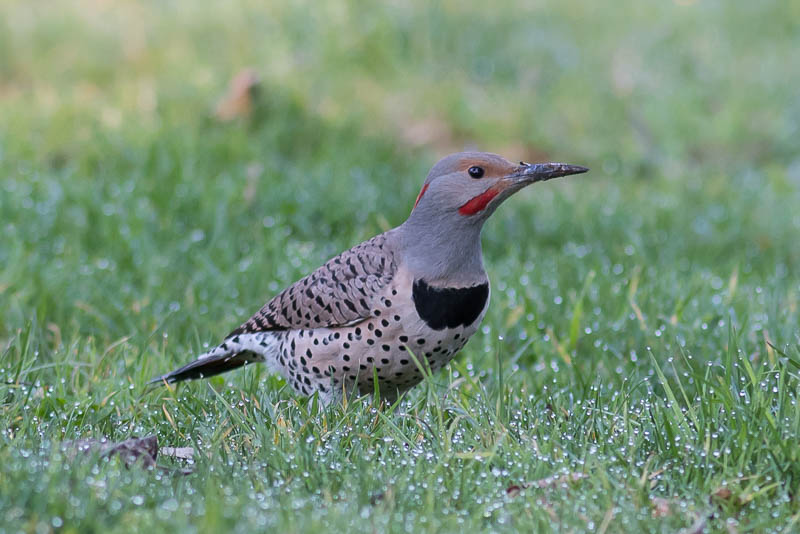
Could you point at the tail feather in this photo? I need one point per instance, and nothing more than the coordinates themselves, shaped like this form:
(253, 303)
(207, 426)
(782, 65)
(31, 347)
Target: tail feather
(233, 353)
(206, 367)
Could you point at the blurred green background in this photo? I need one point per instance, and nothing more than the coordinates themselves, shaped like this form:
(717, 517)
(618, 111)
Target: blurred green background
(117, 178)
(148, 204)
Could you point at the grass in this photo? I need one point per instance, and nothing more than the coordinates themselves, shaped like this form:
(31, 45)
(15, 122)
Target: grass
(639, 367)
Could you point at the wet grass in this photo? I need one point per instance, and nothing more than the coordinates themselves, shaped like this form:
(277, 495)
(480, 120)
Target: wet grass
(639, 368)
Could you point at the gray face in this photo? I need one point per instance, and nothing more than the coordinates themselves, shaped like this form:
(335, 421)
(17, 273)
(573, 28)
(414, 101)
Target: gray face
(467, 187)
(440, 241)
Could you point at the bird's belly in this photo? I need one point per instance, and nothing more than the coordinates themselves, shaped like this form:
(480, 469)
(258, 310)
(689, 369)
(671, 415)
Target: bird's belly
(385, 346)
(399, 341)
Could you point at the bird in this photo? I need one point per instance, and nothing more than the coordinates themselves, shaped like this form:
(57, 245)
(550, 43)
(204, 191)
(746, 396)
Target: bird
(389, 310)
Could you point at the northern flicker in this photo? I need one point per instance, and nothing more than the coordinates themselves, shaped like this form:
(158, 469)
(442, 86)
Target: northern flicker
(419, 289)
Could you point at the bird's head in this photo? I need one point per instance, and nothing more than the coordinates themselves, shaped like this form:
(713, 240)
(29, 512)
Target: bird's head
(468, 186)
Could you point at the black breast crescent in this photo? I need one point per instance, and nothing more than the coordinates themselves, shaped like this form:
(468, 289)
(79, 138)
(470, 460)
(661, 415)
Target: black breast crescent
(449, 307)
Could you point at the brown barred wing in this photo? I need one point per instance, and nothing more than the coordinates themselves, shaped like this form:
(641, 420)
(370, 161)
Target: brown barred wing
(339, 293)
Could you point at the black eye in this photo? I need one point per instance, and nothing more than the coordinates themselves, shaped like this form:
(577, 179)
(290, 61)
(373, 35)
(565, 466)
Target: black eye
(475, 171)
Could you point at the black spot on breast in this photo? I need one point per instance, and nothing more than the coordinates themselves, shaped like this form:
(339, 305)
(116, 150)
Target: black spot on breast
(449, 307)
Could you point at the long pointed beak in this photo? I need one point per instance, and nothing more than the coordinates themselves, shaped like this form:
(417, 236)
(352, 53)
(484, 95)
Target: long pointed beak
(529, 173)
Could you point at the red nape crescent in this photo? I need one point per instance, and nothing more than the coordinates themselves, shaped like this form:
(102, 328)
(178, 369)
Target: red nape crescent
(478, 203)
(421, 192)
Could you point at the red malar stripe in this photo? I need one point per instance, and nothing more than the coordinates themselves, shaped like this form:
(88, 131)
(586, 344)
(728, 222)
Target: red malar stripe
(422, 192)
(478, 203)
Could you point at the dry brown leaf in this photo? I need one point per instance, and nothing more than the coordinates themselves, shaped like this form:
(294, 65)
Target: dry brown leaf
(130, 450)
(513, 490)
(238, 101)
(722, 493)
(183, 453)
(544, 483)
(661, 507)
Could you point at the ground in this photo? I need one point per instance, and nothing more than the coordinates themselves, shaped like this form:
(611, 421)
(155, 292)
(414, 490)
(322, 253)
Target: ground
(638, 367)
